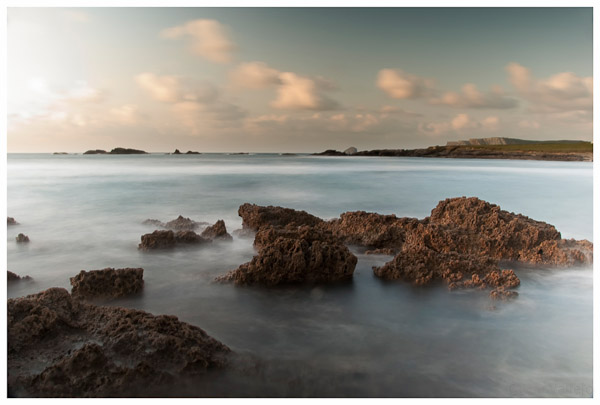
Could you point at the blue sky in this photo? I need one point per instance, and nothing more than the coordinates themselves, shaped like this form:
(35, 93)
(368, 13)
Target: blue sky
(294, 79)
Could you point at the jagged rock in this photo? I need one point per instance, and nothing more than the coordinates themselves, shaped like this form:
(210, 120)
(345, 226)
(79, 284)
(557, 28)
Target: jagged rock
(107, 283)
(22, 238)
(169, 239)
(421, 265)
(11, 277)
(255, 216)
(62, 347)
(157, 240)
(11, 221)
(182, 224)
(288, 256)
(217, 231)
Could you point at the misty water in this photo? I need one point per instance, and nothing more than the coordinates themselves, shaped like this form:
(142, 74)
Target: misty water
(366, 337)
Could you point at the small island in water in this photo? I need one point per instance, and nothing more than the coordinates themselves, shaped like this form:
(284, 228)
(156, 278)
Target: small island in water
(488, 148)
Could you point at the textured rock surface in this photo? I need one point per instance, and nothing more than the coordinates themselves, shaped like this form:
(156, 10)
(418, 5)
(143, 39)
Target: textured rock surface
(11, 277)
(11, 221)
(62, 347)
(170, 239)
(22, 238)
(288, 256)
(107, 283)
(255, 216)
(182, 224)
(217, 231)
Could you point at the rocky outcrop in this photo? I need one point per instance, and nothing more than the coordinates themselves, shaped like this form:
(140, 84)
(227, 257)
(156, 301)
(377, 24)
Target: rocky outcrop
(22, 238)
(62, 347)
(169, 239)
(294, 256)
(217, 231)
(11, 221)
(107, 283)
(12, 277)
(256, 216)
(95, 152)
(178, 224)
(116, 151)
(176, 152)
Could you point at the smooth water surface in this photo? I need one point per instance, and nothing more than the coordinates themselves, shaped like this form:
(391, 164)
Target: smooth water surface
(362, 338)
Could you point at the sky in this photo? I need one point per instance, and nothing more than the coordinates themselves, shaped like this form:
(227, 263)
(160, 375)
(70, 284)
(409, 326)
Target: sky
(294, 79)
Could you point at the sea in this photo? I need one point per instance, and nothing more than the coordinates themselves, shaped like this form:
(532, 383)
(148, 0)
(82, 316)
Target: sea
(363, 338)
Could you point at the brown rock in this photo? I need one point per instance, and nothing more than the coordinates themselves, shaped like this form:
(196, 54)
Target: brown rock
(62, 347)
(182, 224)
(190, 237)
(382, 251)
(22, 238)
(11, 277)
(154, 222)
(255, 217)
(287, 256)
(217, 231)
(501, 294)
(107, 283)
(157, 240)
(11, 221)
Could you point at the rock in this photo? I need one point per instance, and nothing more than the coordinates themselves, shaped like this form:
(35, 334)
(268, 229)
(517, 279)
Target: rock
(350, 151)
(154, 222)
(60, 153)
(127, 151)
(382, 251)
(192, 152)
(177, 152)
(11, 221)
(168, 239)
(294, 257)
(11, 277)
(421, 265)
(256, 216)
(107, 283)
(217, 231)
(330, 152)
(182, 224)
(22, 238)
(501, 294)
(95, 152)
(62, 347)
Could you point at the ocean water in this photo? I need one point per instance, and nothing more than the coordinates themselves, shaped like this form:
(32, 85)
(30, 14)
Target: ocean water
(364, 338)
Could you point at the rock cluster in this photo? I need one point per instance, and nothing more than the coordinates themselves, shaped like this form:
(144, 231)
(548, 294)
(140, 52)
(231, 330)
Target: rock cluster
(178, 224)
(169, 239)
(11, 277)
(11, 221)
(62, 347)
(107, 283)
(217, 231)
(22, 238)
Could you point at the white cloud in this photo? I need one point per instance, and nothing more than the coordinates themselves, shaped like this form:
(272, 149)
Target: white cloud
(127, 114)
(254, 75)
(461, 123)
(301, 93)
(558, 93)
(402, 85)
(208, 38)
(171, 89)
(471, 97)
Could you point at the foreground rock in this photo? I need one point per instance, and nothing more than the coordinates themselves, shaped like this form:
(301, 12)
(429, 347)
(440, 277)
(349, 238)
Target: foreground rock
(11, 221)
(255, 216)
(294, 256)
(12, 277)
(217, 231)
(169, 239)
(107, 283)
(22, 238)
(62, 347)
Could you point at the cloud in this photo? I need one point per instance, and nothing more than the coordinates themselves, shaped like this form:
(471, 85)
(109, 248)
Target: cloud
(558, 93)
(171, 89)
(402, 85)
(471, 97)
(254, 75)
(294, 92)
(127, 114)
(461, 123)
(208, 38)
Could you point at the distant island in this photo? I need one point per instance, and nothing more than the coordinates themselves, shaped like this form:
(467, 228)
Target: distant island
(488, 148)
(116, 151)
(189, 152)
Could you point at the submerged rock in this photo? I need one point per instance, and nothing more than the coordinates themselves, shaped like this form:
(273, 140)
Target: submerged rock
(217, 231)
(256, 216)
(11, 277)
(154, 222)
(62, 347)
(11, 221)
(22, 238)
(182, 224)
(107, 283)
(288, 256)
